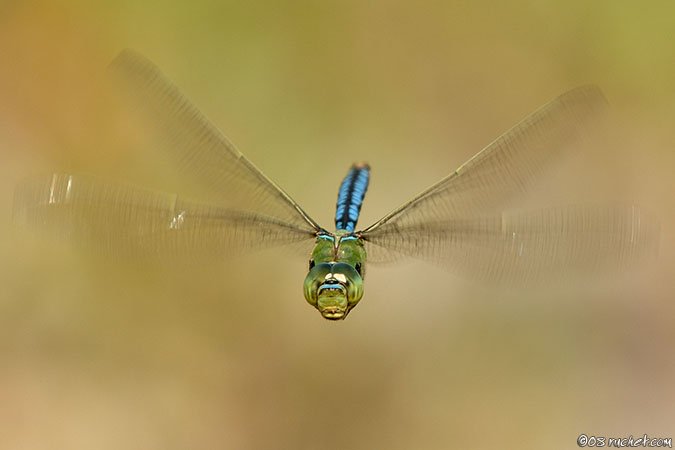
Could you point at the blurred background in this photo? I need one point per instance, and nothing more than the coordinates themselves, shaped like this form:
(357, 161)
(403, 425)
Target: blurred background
(101, 355)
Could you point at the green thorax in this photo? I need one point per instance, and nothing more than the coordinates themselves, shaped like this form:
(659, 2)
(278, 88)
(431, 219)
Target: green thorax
(341, 247)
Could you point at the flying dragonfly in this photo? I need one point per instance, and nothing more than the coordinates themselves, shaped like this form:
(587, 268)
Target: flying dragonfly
(459, 222)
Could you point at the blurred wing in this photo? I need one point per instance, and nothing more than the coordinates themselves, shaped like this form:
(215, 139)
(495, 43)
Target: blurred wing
(120, 220)
(200, 150)
(505, 168)
(525, 247)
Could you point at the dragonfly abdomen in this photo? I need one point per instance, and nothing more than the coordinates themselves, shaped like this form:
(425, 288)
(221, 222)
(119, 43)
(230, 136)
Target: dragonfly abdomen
(350, 196)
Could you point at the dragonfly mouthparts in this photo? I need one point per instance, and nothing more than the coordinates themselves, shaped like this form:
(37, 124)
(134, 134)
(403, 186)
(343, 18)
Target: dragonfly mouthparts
(332, 300)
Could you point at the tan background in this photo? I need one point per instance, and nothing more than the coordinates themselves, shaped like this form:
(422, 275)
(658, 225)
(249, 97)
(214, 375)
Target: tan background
(95, 356)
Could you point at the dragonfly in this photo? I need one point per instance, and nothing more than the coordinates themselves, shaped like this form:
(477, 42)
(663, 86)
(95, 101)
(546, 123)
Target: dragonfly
(461, 222)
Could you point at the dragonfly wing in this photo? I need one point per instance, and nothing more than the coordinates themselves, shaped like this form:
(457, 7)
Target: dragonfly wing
(505, 168)
(122, 220)
(199, 149)
(517, 248)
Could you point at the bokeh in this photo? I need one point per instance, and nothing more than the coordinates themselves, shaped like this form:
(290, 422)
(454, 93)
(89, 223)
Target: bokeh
(100, 355)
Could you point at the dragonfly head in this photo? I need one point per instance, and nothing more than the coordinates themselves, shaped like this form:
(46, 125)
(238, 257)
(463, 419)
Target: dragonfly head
(333, 288)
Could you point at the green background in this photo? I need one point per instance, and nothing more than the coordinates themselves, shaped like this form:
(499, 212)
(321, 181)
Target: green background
(94, 355)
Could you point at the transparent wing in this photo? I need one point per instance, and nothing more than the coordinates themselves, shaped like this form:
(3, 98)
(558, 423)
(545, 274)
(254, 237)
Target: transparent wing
(518, 248)
(120, 220)
(201, 151)
(505, 168)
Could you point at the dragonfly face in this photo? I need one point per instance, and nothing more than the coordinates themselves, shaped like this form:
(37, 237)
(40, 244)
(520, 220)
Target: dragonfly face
(334, 284)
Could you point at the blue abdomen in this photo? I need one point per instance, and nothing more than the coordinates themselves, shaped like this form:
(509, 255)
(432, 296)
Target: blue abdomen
(350, 197)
